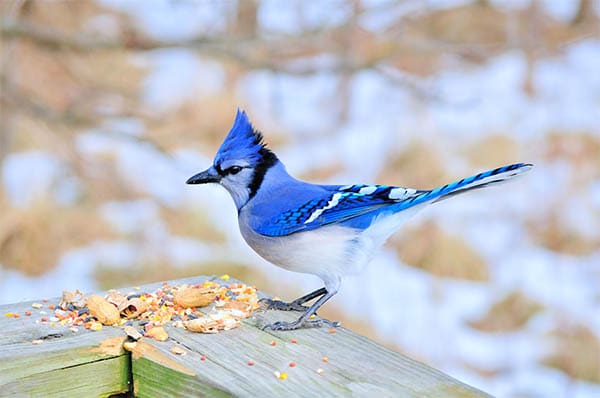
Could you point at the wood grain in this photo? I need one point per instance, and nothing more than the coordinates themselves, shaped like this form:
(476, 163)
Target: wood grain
(214, 365)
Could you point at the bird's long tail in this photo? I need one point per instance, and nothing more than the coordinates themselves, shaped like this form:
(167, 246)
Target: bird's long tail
(481, 180)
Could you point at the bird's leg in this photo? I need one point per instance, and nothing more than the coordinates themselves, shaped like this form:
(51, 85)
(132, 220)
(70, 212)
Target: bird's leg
(304, 319)
(295, 305)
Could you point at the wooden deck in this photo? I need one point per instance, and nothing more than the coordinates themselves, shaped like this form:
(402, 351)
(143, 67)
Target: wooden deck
(87, 363)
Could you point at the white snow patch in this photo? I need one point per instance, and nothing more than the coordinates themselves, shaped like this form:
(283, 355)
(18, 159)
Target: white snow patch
(32, 175)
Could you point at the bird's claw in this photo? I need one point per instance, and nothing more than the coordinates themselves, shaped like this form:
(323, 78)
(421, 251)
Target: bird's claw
(282, 305)
(308, 323)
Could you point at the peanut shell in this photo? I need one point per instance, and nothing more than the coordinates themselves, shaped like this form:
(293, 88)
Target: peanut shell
(202, 325)
(194, 297)
(102, 310)
(133, 307)
(157, 333)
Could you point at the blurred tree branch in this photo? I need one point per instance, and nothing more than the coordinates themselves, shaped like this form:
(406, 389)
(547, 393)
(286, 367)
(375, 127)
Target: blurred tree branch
(248, 51)
(56, 40)
(585, 12)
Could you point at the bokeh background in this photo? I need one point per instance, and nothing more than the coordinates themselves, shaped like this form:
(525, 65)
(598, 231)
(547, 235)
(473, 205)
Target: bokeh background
(108, 106)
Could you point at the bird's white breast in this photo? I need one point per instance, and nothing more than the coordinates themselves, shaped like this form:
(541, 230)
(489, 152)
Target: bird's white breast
(329, 252)
(323, 252)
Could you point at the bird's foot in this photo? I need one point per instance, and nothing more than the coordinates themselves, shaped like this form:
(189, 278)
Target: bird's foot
(308, 323)
(282, 305)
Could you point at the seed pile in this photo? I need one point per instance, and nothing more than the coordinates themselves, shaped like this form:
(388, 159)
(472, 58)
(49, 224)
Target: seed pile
(208, 307)
(205, 308)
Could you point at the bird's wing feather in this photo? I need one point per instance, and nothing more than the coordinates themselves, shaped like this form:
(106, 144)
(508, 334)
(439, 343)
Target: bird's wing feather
(347, 202)
(334, 207)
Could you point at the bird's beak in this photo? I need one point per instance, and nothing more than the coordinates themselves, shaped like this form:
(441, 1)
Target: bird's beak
(205, 177)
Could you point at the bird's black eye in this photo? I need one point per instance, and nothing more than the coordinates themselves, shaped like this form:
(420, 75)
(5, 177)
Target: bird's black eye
(233, 170)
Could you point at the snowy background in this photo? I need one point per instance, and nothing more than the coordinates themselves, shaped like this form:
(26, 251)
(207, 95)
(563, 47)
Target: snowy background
(499, 288)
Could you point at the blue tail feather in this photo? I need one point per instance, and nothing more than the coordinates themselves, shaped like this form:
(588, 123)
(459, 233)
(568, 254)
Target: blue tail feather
(480, 180)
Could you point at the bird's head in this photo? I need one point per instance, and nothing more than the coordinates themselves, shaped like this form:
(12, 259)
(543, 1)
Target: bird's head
(240, 163)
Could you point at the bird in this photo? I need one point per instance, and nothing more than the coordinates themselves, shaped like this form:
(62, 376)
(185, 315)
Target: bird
(326, 230)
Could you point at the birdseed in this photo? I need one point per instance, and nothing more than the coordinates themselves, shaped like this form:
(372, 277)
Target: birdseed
(149, 310)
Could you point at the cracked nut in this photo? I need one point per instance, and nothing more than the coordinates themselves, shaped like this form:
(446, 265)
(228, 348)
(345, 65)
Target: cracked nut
(134, 307)
(102, 310)
(202, 325)
(195, 297)
(132, 332)
(157, 333)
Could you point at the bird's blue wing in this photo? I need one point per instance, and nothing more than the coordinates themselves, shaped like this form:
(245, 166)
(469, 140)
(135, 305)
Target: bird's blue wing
(332, 207)
(343, 203)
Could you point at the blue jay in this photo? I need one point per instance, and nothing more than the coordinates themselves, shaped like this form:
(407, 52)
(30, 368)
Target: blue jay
(326, 230)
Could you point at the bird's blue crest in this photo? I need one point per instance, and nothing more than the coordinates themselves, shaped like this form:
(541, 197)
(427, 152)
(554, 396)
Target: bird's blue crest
(242, 142)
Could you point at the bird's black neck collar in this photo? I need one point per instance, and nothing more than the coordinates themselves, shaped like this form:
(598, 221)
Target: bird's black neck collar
(267, 160)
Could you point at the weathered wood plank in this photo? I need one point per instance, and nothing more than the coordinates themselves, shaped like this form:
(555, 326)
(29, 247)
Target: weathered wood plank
(65, 364)
(215, 365)
(24, 359)
(357, 366)
(100, 378)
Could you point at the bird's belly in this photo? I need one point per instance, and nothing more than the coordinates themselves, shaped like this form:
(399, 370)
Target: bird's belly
(323, 252)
